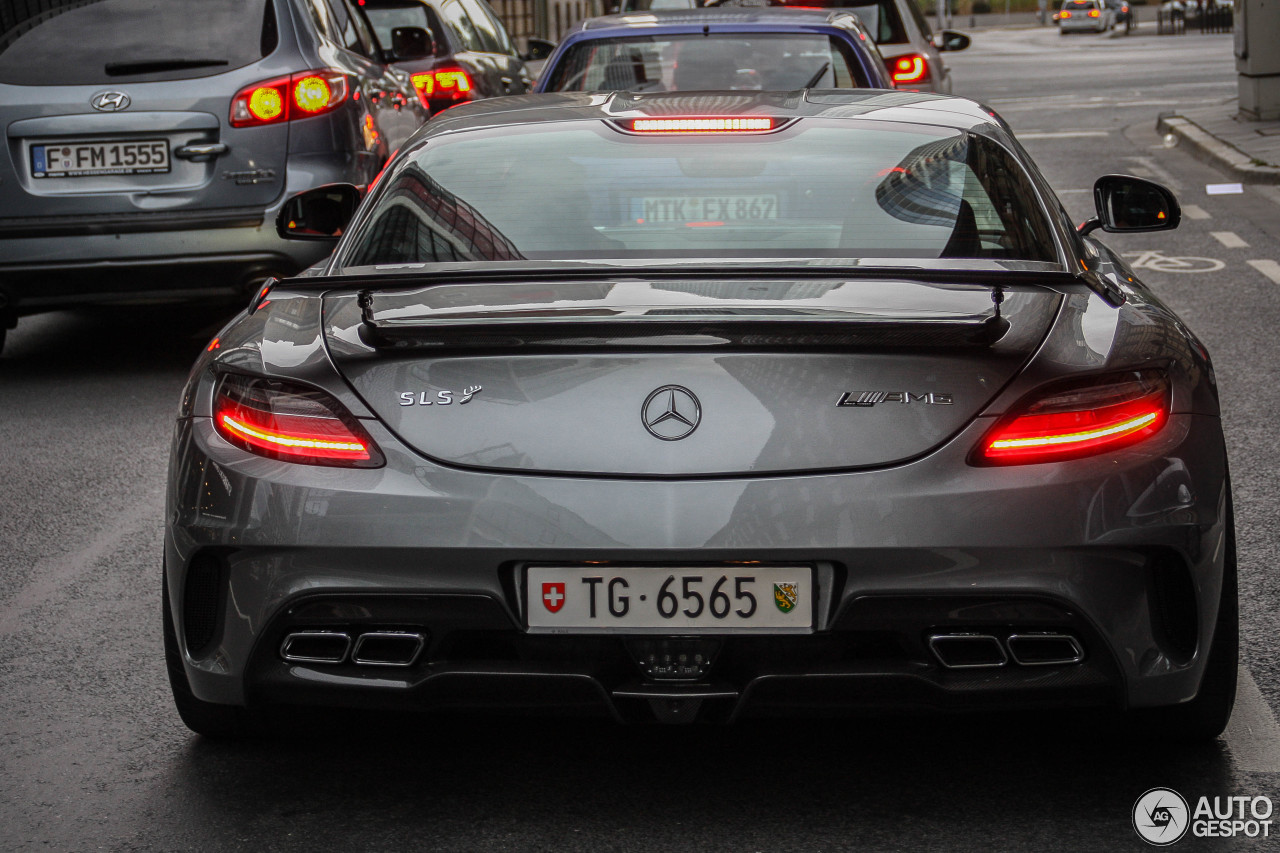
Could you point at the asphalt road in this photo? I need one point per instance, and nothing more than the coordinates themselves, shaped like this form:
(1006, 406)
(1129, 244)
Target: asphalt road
(92, 755)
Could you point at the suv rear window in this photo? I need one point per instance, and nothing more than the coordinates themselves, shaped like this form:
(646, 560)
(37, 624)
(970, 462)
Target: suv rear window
(75, 43)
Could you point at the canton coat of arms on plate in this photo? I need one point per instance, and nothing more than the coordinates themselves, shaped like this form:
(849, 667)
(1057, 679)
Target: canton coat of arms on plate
(786, 596)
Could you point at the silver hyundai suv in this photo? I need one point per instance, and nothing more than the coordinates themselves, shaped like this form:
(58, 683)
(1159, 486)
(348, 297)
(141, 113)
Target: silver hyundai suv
(151, 145)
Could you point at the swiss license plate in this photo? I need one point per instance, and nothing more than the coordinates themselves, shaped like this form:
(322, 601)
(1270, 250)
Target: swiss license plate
(85, 159)
(664, 600)
(708, 208)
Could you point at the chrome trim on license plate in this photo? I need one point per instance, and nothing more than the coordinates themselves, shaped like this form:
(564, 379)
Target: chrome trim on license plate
(670, 599)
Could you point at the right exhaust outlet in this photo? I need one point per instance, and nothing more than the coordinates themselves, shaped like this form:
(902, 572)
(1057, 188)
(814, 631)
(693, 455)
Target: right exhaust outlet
(1044, 649)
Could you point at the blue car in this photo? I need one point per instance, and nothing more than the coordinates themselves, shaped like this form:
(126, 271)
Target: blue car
(716, 49)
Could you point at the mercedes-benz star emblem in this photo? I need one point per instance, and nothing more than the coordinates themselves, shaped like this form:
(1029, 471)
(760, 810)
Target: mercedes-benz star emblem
(671, 413)
(110, 102)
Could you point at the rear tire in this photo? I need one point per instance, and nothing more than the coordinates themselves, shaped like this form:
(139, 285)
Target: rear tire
(206, 719)
(1205, 717)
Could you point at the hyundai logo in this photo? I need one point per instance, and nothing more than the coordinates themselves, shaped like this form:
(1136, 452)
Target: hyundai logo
(110, 102)
(671, 413)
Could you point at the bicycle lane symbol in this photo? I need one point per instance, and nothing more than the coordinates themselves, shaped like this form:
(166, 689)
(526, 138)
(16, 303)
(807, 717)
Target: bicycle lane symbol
(1153, 260)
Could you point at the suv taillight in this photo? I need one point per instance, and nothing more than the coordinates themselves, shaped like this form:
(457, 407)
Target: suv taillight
(443, 87)
(308, 93)
(909, 69)
(290, 422)
(1068, 421)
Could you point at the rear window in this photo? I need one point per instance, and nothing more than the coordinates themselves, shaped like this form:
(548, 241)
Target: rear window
(696, 62)
(880, 17)
(1073, 5)
(102, 42)
(386, 18)
(816, 188)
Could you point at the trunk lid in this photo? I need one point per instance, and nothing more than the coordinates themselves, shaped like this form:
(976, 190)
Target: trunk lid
(647, 378)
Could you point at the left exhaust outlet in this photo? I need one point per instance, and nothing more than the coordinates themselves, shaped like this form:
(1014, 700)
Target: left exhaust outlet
(315, 647)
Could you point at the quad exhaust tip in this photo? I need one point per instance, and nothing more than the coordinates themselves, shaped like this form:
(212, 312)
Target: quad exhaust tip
(372, 648)
(968, 651)
(388, 648)
(315, 647)
(1043, 649)
(987, 651)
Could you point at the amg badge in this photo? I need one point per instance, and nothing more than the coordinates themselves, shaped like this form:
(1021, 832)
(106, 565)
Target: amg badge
(866, 399)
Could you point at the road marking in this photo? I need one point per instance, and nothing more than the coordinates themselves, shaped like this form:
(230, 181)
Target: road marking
(1154, 260)
(1230, 239)
(1224, 189)
(1252, 733)
(1064, 192)
(1194, 211)
(1064, 134)
(1268, 268)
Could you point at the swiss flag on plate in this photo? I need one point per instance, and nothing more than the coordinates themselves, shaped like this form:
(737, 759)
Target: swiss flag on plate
(553, 596)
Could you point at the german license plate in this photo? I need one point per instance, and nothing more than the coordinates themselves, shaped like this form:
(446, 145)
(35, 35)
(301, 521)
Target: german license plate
(664, 600)
(708, 208)
(84, 159)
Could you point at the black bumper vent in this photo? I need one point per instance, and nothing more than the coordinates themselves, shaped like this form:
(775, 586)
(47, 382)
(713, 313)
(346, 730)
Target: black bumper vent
(201, 600)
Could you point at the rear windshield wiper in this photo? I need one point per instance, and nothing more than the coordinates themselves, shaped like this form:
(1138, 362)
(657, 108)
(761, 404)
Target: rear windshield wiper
(151, 66)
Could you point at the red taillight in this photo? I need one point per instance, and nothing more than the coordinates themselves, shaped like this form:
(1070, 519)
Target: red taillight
(1094, 13)
(309, 93)
(443, 85)
(911, 68)
(703, 124)
(1083, 419)
(1064, 14)
(289, 422)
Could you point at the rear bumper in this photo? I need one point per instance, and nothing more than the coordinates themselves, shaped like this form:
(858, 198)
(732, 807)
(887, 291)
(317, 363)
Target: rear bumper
(61, 261)
(899, 554)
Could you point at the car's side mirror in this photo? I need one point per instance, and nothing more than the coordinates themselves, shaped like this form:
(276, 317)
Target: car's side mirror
(1126, 204)
(320, 213)
(538, 50)
(950, 40)
(410, 43)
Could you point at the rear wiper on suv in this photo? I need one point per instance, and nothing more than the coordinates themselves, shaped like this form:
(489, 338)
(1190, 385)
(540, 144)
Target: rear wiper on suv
(151, 66)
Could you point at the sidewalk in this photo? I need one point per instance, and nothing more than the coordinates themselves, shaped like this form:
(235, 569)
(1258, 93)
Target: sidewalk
(1246, 150)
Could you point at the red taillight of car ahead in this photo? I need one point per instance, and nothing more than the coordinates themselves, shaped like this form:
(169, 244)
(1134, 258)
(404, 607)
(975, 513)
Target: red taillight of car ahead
(309, 93)
(1094, 13)
(443, 86)
(1064, 14)
(1079, 419)
(909, 69)
(290, 422)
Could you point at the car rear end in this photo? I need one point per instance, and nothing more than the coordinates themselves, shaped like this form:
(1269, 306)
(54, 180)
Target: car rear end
(572, 435)
(1082, 16)
(473, 56)
(151, 145)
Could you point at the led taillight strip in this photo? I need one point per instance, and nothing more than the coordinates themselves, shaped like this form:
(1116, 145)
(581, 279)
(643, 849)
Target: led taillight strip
(281, 441)
(1076, 438)
(701, 125)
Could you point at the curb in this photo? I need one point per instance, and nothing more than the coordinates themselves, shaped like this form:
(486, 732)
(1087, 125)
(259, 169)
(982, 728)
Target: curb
(1208, 148)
